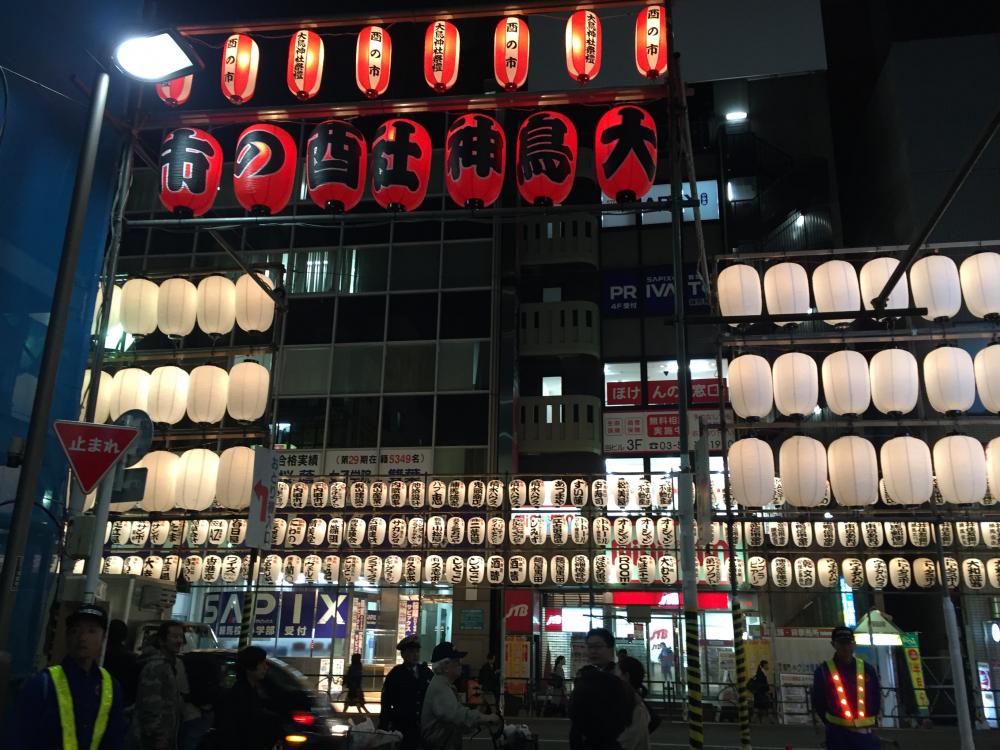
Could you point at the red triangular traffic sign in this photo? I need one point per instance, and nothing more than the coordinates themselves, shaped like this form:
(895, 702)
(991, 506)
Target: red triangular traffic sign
(92, 449)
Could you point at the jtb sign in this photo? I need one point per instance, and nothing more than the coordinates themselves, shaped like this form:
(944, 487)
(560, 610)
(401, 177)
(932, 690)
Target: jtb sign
(655, 286)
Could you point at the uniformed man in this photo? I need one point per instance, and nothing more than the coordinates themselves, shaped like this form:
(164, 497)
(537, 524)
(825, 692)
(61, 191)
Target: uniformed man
(846, 696)
(75, 704)
(403, 694)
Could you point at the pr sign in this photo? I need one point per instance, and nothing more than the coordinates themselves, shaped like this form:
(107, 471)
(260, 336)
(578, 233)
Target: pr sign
(623, 290)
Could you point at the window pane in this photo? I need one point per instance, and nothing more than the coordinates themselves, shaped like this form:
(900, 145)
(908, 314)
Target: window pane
(622, 383)
(467, 264)
(463, 420)
(303, 371)
(413, 317)
(357, 369)
(460, 460)
(362, 269)
(407, 421)
(414, 267)
(311, 272)
(300, 422)
(309, 321)
(353, 422)
(360, 319)
(409, 368)
(464, 366)
(465, 315)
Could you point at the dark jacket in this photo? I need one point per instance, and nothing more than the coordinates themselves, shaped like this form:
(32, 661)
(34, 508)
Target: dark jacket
(601, 707)
(760, 690)
(489, 679)
(124, 667)
(243, 720)
(402, 701)
(823, 700)
(353, 680)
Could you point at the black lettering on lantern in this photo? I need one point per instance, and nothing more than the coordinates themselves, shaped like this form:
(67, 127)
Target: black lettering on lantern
(543, 149)
(185, 157)
(258, 154)
(629, 136)
(335, 156)
(392, 158)
(477, 145)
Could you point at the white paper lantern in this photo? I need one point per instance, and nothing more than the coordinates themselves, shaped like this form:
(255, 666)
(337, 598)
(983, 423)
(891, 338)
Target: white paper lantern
(622, 569)
(161, 481)
(900, 574)
(802, 534)
(538, 569)
(993, 466)
(578, 492)
(494, 494)
(993, 571)
(392, 569)
(536, 530)
(536, 493)
(338, 495)
(645, 532)
(138, 306)
(802, 464)
(139, 534)
(476, 530)
(825, 533)
(496, 531)
(192, 568)
(102, 407)
(872, 534)
(319, 494)
(786, 291)
(739, 291)
(216, 305)
(355, 533)
(853, 571)
(754, 533)
(980, 277)
(950, 380)
(415, 532)
(359, 494)
(987, 371)
(456, 531)
(518, 531)
(559, 570)
(417, 494)
(373, 569)
(835, 287)
(579, 530)
(475, 570)
(152, 567)
(353, 567)
(805, 572)
(664, 492)
(477, 493)
(279, 529)
(622, 492)
(750, 387)
(397, 532)
(235, 478)
(623, 532)
(665, 532)
(876, 572)
(827, 572)
(602, 569)
(254, 308)
(906, 470)
(517, 493)
(751, 472)
(777, 532)
(454, 570)
(951, 572)
(211, 568)
(207, 394)
(397, 494)
(846, 383)
(991, 533)
(580, 568)
(960, 468)
(115, 314)
(517, 569)
(237, 531)
(895, 533)
(558, 493)
(757, 571)
(331, 568)
(436, 491)
(298, 496)
(248, 389)
(196, 478)
(558, 529)
(853, 471)
(796, 384)
(177, 307)
(129, 390)
(967, 533)
(412, 565)
(495, 566)
(974, 573)
(601, 531)
(599, 493)
(936, 286)
(158, 533)
(874, 276)
(120, 533)
(919, 533)
(925, 572)
(112, 565)
(436, 529)
(894, 381)
(311, 566)
(296, 533)
(316, 532)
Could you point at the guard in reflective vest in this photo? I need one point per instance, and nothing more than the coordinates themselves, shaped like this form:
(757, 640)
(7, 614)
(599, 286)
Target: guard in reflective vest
(847, 697)
(75, 705)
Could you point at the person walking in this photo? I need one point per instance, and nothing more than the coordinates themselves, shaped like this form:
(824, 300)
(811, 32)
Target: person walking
(120, 661)
(602, 705)
(443, 719)
(760, 689)
(403, 694)
(245, 720)
(75, 704)
(353, 679)
(489, 682)
(557, 686)
(666, 659)
(158, 701)
(847, 697)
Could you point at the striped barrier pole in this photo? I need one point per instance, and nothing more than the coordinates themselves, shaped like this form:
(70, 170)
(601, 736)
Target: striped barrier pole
(741, 676)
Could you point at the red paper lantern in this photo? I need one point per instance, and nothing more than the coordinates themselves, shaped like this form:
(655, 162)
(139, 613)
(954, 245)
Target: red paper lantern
(373, 61)
(240, 57)
(625, 153)
(442, 46)
(190, 171)
(175, 92)
(583, 45)
(305, 64)
(546, 158)
(652, 43)
(264, 169)
(401, 164)
(511, 42)
(475, 157)
(336, 160)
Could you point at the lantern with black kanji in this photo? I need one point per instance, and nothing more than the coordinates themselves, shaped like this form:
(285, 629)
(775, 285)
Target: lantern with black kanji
(510, 52)
(625, 153)
(240, 58)
(442, 46)
(264, 169)
(546, 158)
(190, 171)
(475, 156)
(176, 91)
(336, 160)
(305, 64)
(583, 46)
(401, 164)
(373, 61)
(651, 41)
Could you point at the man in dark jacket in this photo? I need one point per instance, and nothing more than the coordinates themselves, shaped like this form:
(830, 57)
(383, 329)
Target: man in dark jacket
(120, 662)
(158, 700)
(403, 694)
(847, 697)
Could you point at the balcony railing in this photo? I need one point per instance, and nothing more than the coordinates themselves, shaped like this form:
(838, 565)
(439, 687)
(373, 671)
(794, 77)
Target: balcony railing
(559, 424)
(559, 239)
(559, 329)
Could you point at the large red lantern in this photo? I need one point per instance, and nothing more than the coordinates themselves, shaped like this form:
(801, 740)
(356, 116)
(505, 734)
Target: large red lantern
(305, 64)
(475, 157)
(240, 58)
(175, 92)
(442, 46)
(652, 44)
(625, 153)
(264, 169)
(583, 45)
(373, 61)
(511, 44)
(401, 164)
(336, 160)
(546, 158)
(190, 171)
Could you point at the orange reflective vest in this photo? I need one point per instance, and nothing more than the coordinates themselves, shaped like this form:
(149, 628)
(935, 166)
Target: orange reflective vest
(858, 717)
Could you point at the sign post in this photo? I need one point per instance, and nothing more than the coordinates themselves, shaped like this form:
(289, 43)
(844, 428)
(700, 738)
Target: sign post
(263, 489)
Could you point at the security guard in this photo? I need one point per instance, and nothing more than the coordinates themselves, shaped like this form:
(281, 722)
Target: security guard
(75, 705)
(403, 694)
(846, 696)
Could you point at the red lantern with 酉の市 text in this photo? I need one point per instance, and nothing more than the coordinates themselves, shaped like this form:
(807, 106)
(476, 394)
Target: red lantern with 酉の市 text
(373, 61)
(625, 153)
(190, 171)
(442, 48)
(511, 45)
(652, 43)
(336, 161)
(475, 157)
(240, 58)
(546, 158)
(305, 64)
(264, 169)
(401, 164)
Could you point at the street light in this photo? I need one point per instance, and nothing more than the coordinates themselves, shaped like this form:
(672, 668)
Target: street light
(154, 58)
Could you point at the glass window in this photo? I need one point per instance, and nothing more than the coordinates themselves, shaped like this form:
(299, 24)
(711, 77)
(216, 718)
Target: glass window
(552, 294)
(467, 264)
(353, 422)
(407, 421)
(460, 460)
(622, 383)
(623, 465)
(414, 267)
(465, 315)
(413, 317)
(357, 369)
(303, 371)
(409, 368)
(360, 319)
(463, 419)
(300, 422)
(552, 385)
(310, 272)
(464, 366)
(362, 269)
(309, 321)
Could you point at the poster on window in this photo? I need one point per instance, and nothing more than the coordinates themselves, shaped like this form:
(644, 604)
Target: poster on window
(634, 433)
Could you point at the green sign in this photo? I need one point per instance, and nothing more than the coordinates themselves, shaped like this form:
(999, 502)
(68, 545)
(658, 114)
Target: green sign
(472, 619)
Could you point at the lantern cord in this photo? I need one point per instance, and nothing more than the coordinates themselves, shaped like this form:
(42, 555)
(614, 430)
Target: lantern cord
(4, 70)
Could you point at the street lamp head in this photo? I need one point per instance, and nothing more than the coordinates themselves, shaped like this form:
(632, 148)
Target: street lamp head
(156, 57)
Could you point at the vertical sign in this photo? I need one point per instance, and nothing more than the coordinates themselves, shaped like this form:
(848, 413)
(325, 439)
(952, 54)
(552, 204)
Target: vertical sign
(262, 497)
(911, 648)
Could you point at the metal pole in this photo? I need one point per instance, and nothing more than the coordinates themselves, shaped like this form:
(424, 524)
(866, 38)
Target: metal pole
(93, 571)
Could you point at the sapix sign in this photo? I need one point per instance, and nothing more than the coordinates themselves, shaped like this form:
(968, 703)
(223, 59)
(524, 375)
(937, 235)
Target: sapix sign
(651, 291)
(315, 614)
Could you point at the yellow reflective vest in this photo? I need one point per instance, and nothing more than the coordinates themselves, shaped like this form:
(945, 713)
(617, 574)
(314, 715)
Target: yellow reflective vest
(67, 719)
(858, 716)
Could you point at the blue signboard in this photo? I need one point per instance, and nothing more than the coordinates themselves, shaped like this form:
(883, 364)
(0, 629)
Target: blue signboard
(316, 613)
(622, 291)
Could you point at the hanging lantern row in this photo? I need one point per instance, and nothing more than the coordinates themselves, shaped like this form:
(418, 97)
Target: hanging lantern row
(851, 384)
(935, 282)
(442, 52)
(961, 471)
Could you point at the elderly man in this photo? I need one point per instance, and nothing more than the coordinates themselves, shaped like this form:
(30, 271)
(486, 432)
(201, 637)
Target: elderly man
(403, 694)
(443, 719)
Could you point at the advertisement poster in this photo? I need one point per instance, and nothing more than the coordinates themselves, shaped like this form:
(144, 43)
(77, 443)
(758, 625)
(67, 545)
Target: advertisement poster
(516, 663)
(794, 698)
(640, 432)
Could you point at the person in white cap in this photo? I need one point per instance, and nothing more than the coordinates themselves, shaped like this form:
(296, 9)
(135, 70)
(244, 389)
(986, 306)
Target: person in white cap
(443, 719)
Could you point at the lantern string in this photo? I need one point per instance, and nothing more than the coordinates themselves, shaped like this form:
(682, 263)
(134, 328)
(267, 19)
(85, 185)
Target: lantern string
(4, 70)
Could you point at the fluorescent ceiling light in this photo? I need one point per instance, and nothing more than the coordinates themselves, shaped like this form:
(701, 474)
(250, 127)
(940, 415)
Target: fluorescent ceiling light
(153, 58)
(736, 116)
(800, 221)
